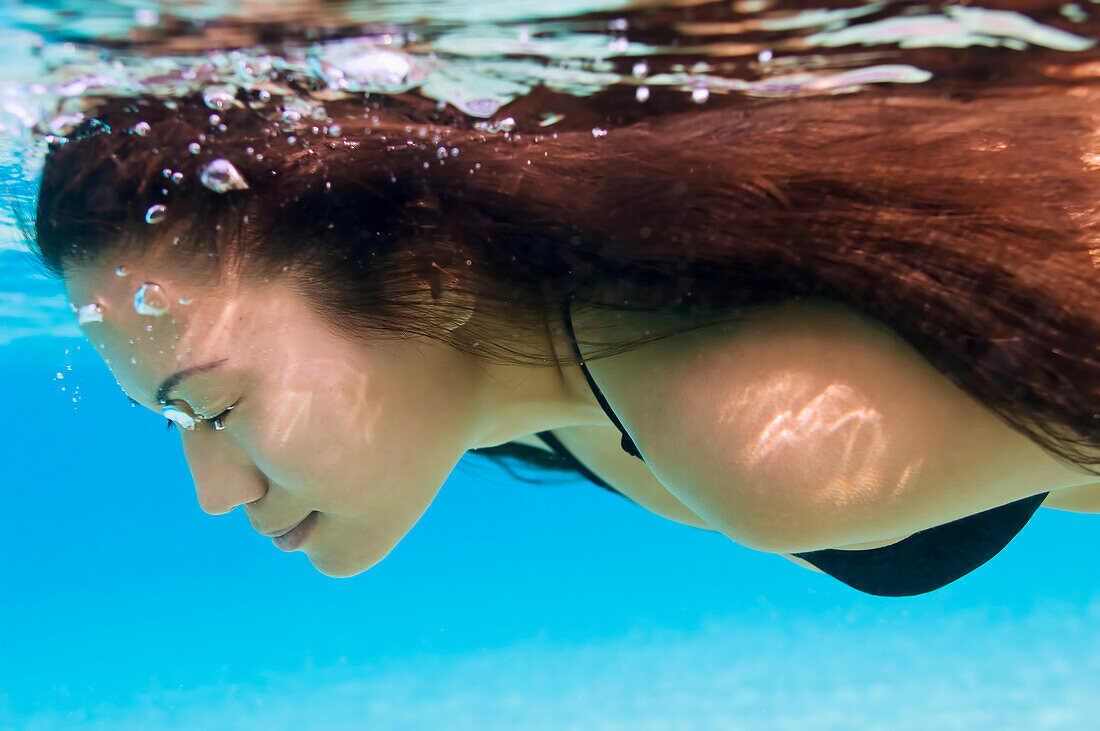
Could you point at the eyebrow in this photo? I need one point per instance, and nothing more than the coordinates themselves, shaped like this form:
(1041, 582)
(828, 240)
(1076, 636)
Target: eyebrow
(173, 380)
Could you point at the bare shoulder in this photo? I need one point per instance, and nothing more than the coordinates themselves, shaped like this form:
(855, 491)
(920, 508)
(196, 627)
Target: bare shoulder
(810, 425)
(1076, 499)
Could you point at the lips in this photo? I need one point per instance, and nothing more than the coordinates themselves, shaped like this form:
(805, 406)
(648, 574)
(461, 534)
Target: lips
(296, 536)
(283, 532)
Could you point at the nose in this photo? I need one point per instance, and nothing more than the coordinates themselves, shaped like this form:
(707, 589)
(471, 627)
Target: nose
(224, 475)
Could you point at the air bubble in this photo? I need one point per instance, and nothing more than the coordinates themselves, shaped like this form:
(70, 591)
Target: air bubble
(146, 17)
(214, 119)
(156, 213)
(141, 129)
(700, 94)
(505, 125)
(642, 94)
(335, 130)
(150, 299)
(221, 176)
(177, 177)
(640, 69)
(89, 313)
(194, 148)
(478, 107)
(598, 132)
(374, 71)
(219, 97)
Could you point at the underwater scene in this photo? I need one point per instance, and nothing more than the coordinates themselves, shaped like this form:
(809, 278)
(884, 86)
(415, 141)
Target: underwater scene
(589, 364)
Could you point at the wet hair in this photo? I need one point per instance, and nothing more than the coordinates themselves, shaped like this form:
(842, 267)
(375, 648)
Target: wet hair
(963, 222)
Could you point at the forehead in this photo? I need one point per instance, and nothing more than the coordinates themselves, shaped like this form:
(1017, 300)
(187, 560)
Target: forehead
(147, 322)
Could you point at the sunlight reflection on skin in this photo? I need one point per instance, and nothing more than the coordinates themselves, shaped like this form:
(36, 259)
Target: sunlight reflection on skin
(363, 412)
(357, 420)
(288, 410)
(801, 436)
(219, 328)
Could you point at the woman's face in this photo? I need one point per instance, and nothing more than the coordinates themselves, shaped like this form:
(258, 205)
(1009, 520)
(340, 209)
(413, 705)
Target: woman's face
(362, 433)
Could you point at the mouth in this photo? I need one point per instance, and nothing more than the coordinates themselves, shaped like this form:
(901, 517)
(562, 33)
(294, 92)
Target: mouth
(284, 531)
(293, 538)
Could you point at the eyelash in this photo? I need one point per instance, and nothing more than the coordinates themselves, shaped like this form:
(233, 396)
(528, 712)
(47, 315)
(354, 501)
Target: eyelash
(220, 418)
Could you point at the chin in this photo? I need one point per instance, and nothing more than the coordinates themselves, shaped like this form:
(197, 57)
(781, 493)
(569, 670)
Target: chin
(338, 569)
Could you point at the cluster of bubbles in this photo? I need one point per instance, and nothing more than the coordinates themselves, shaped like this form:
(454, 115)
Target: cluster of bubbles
(220, 176)
(149, 299)
(59, 376)
(481, 67)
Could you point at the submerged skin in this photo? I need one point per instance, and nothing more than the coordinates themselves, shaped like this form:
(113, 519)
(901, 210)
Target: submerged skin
(365, 433)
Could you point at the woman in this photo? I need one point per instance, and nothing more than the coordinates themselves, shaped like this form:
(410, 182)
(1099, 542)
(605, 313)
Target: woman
(858, 332)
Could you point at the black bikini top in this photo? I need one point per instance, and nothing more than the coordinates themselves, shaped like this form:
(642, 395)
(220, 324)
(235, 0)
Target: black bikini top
(923, 562)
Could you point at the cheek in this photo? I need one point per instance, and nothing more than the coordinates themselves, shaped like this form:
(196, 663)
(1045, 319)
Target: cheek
(323, 432)
(355, 441)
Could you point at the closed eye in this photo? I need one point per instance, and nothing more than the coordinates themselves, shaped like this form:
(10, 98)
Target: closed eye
(217, 423)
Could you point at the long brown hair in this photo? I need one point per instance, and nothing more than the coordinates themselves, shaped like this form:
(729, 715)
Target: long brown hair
(964, 222)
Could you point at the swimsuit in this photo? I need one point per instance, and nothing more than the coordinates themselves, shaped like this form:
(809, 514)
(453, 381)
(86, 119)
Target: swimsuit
(924, 561)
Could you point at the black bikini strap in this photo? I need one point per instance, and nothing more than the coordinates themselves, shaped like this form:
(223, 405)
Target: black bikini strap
(627, 443)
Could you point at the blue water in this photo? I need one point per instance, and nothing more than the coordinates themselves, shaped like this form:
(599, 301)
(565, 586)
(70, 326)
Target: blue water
(508, 606)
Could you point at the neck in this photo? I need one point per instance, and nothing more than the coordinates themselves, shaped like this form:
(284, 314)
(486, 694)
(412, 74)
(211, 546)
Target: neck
(519, 400)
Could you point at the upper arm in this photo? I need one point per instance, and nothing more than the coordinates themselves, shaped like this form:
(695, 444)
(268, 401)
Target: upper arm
(814, 427)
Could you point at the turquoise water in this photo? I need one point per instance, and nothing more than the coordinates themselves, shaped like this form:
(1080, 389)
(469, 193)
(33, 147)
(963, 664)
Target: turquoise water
(507, 606)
